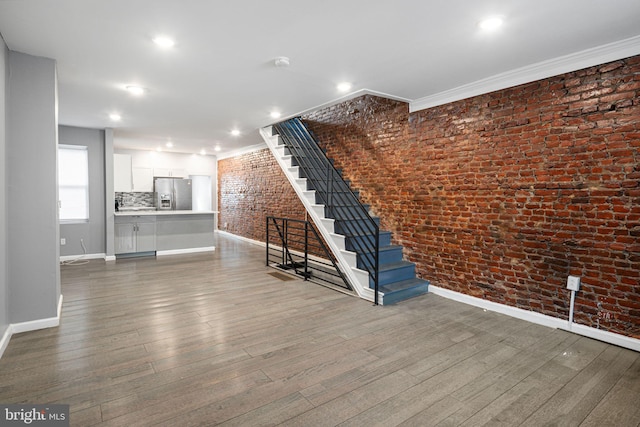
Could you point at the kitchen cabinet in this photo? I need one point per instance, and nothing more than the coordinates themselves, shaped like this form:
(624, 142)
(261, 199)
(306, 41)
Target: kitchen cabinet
(169, 173)
(125, 238)
(142, 179)
(135, 234)
(163, 232)
(122, 173)
(185, 231)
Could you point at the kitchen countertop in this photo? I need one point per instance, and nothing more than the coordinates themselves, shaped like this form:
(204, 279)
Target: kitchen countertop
(143, 212)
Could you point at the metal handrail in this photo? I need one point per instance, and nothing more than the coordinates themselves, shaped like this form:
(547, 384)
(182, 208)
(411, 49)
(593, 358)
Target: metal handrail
(286, 228)
(340, 202)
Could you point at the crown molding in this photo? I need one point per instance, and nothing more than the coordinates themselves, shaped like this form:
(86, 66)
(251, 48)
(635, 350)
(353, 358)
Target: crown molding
(541, 70)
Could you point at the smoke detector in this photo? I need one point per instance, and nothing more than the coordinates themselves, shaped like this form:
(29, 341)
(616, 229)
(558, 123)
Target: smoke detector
(281, 61)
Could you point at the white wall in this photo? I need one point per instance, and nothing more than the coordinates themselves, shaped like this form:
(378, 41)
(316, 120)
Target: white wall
(32, 190)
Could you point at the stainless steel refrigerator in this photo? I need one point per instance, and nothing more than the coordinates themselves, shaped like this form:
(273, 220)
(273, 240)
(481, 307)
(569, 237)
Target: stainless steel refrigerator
(172, 194)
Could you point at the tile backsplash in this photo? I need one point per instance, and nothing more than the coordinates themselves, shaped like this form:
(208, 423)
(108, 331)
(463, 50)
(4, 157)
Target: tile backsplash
(129, 200)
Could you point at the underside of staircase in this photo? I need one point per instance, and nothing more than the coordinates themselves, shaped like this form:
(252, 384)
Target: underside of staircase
(345, 227)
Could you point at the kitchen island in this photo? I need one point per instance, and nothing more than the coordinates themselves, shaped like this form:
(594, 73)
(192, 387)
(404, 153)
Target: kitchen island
(151, 232)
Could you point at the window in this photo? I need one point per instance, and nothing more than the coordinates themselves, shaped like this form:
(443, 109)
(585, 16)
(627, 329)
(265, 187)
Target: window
(73, 183)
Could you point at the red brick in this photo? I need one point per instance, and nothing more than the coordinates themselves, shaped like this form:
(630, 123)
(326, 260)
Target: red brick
(250, 188)
(497, 196)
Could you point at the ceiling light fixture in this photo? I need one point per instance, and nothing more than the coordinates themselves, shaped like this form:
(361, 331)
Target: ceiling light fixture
(275, 114)
(490, 24)
(164, 42)
(281, 61)
(135, 90)
(203, 152)
(217, 148)
(169, 144)
(115, 117)
(344, 87)
(235, 132)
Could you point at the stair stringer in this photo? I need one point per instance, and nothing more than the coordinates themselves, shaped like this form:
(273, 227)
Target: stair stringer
(358, 278)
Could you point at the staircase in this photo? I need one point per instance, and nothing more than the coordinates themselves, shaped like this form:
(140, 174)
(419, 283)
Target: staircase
(365, 253)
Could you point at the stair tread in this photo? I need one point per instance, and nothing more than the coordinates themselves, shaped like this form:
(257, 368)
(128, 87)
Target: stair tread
(402, 285)
(366, 235)
(390, 247)
(395, 265)
(386, 248)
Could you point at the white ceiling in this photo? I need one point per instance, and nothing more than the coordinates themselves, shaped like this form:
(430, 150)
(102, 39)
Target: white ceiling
(220, 74)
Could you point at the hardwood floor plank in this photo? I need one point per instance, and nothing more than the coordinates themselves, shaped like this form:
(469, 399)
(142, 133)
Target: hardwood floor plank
(434, 414)
(499, 380)
(164, 404)
(355, 402)
(575, 400)
(208, 339)
(272, 414)
(426, 393)
(617, 407)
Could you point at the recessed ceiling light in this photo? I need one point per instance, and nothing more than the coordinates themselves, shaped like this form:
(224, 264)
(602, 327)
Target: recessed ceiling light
(281, 61)
(275, 114)
(217, 148)
(490, 24)
(115, 117)
(344, 87)
(164, 42)
(203, 152)
(135, 90)
(235, 132)
(169, 144)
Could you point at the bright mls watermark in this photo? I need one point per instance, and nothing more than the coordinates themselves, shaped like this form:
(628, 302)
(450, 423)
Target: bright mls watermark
(34, 415)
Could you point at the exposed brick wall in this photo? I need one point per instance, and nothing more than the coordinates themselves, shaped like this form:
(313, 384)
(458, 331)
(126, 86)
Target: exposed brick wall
(502, 196)
(251, 187)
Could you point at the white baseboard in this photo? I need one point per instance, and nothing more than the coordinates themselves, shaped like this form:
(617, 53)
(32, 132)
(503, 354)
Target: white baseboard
(540, 319)
(186, 251)
(606, 336)
(244, 239)
(80, 257)
(108, 258)
(32, 325)
(4, 341)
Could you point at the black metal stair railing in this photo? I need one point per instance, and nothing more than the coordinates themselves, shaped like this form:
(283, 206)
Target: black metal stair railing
(295, 245)
(341, 204)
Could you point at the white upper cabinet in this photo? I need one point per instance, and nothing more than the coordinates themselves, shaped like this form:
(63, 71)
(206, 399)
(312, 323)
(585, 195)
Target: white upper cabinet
(122, 173)
(142, 179)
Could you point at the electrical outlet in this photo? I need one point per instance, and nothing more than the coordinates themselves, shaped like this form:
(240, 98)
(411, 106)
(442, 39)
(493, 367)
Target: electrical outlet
(63, 241)
(573, 283)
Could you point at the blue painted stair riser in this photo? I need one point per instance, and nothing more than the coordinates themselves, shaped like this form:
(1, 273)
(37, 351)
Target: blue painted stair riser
(387, 255)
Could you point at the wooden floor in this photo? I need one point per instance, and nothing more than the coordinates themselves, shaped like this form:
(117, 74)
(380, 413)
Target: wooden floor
(210, 339)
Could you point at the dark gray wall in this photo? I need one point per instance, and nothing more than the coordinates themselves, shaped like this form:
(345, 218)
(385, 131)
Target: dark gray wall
(92, 232)
(4, 288)
(32, 189)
